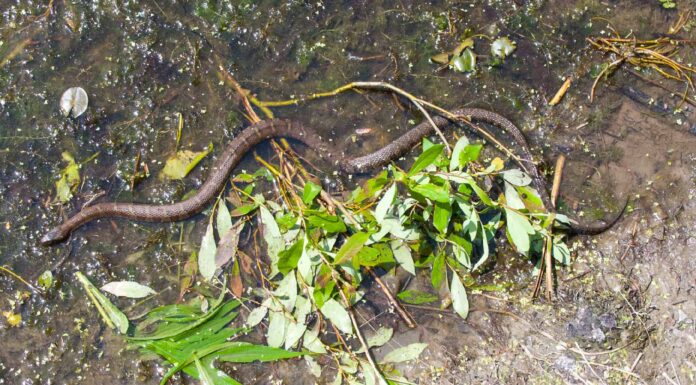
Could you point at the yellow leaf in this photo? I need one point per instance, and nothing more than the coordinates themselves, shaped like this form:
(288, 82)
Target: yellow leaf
(498, 164)
(441, 58)
(181, 163)
(13, 319)
(467, 43)
(69, 179)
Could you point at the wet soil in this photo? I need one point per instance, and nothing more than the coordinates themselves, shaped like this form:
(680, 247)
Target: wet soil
(625, 309)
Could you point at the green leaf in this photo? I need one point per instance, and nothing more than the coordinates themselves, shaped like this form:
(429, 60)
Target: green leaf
(205, 377)
(113, 317)
(405, 353)
(460, 302)
(371, 188)
(470, 153)
(127, 289)
(381, 337)
(456, 153)
(277, 327)
(517, 177)
(294, 333)
(519, 229)
(438, 273)
(311, 191)
(46, 280)
(561, 252)
(385, 203)
(480, 193)
(432, 191)
(223, 220)
(273, 238)
(337, 315)
(512, 198)
(206, 254)
(286, 292)
(531, 199)
(243, 210)
(441, 216)
(330, 223)
(69, 179)
(312, 342)
(287, 259)
(246, 352)
(416, 297)
(377, 255)
(466, 62)
(402, 255)
(502, 47)
(181, 163)
(176, 320)
(426, 158)
(351, 247)
(256, 316)
(461, 248)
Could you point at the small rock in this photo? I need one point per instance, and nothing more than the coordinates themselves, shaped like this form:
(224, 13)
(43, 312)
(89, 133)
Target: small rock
(608, 321)
(598, 335)
(565, 364)
(682, 318)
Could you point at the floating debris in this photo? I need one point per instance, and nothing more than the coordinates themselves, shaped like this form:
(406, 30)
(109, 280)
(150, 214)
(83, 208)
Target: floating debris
(502, 47)
(74, 101)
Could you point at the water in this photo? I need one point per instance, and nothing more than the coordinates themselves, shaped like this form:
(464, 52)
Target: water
(142, 63)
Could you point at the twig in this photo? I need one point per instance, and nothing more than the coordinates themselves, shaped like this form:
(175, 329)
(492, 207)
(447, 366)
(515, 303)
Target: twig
(405, 315)
(547, 262)
(557, 177)
(419, 103)
(222, 73)
(20, 279)
(361, 338)
(590, 366)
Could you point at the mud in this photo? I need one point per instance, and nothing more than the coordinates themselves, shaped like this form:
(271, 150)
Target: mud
(625, 310)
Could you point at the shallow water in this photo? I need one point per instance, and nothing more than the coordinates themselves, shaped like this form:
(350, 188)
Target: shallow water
(142, 63)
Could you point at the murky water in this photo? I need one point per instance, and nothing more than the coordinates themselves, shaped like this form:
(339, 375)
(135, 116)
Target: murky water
(142, 63)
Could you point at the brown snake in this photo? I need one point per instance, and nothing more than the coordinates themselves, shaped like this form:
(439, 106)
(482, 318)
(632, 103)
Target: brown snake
(264, 130)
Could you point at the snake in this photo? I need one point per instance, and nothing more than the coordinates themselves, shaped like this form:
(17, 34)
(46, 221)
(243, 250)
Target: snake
(274, 128)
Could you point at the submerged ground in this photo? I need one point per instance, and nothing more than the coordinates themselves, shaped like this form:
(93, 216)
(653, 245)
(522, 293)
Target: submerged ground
(625, 309)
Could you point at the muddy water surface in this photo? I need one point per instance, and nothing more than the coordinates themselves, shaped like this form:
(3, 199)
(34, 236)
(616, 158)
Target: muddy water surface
(629, 294)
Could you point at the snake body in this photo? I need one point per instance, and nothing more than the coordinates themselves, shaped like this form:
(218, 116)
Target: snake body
(264, 130)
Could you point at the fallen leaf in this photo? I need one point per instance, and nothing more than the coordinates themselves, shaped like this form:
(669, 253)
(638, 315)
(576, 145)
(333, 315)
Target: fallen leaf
(69, 179)
(502, 47)
(127, 289)
(441, 58)
(206, 254)
(73, 101)
(181, 163)
(227, 247)
(406, 353)
(236, 284)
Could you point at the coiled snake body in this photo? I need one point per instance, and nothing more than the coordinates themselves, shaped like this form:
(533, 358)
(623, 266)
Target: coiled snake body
(264, 130)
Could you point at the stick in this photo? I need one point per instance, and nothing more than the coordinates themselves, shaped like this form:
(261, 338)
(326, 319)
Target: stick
(420, 104)
(405, 315)
(363, 342)
(20, 279)
(557, 177)
(547, 263)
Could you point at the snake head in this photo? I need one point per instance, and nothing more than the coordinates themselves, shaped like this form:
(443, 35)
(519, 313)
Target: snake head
(54, 236)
